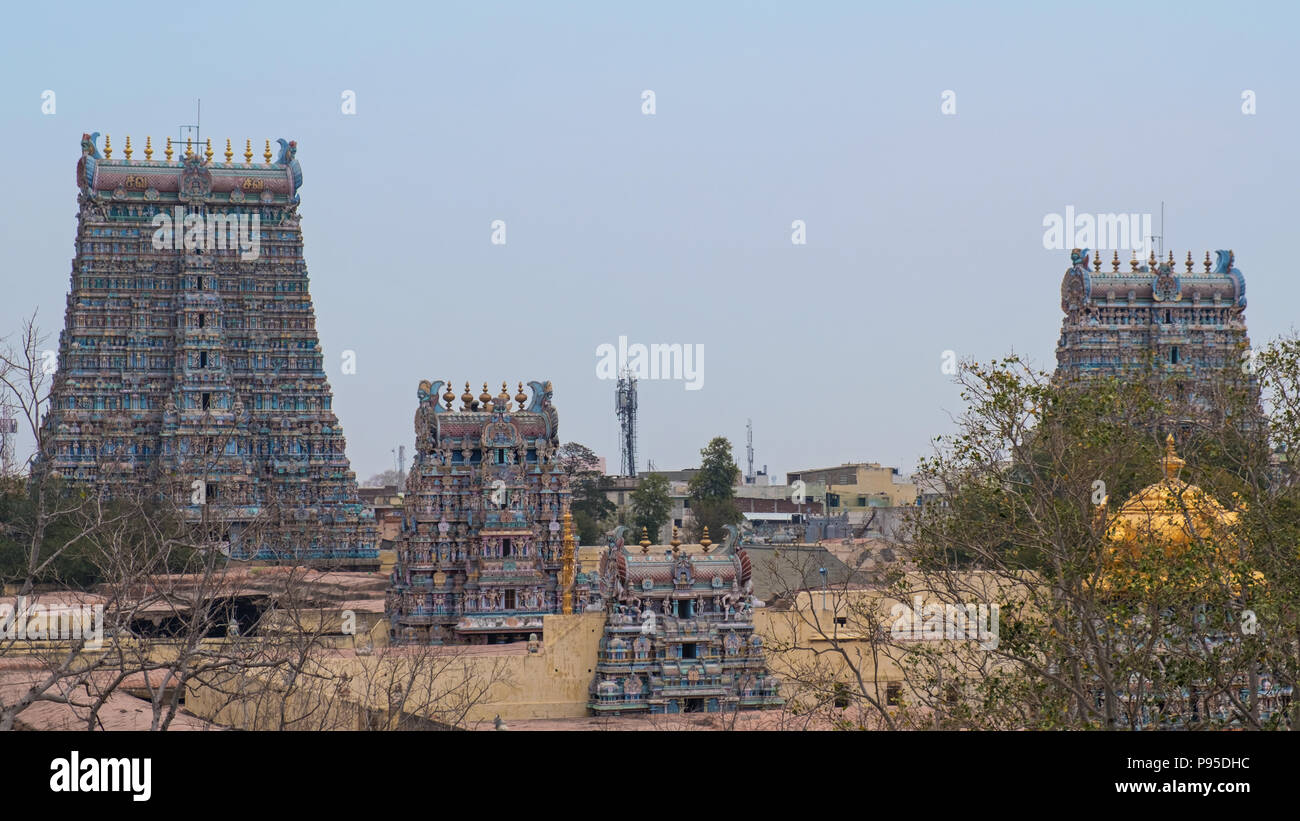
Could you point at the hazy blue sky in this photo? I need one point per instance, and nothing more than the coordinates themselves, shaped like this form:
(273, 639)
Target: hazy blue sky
(924, 231)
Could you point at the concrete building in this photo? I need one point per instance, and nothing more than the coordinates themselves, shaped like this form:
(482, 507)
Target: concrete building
(386, 503)
(762, 504)
(855, 486)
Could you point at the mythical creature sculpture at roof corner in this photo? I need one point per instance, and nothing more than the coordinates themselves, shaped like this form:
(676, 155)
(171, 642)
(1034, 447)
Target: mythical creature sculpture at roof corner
(542, 392)
(86, 165)
(1223, 264)
(1076, 288)
(288, 156)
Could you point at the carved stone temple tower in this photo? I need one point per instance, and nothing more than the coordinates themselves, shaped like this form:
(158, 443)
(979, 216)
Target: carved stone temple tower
(483, 553)
(1183, 324)
(189, 355)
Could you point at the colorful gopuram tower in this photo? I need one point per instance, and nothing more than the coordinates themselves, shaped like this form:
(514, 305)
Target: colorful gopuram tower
(189, 355)
(482, 556)
(679, 630)
(1185, 323)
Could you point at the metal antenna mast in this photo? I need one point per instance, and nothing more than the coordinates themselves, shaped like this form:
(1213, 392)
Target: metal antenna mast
(749, 450)
(625, 407)
(1158, 240)
(193, 128)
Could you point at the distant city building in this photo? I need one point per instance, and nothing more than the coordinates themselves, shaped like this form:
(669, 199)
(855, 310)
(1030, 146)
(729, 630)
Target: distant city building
(683, 475)
(759, 479)
(386, 505)
(481, 555)
(761, 504)
(856, 485)
(189, 353)
(679, 634)
(1184, 323)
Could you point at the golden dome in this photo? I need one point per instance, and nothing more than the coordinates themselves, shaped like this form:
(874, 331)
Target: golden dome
(1169, 530)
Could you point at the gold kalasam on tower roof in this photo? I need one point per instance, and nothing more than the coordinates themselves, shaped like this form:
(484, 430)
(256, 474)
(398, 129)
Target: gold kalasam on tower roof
(1169, 530)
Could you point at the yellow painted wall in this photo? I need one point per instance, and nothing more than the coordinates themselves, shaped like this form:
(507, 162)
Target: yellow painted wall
(865, 480)
(551, 683)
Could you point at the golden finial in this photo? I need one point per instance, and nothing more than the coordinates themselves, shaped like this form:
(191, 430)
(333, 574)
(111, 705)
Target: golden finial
(704, 542)
(127, 152)
(189, 148)
(1133, 263)
(645, 540)
(207, 152)
(484, 397)
(521, 397)
(1114, 262)
(108, 147)
(168, 152)
(1151, 260)
(1189, 262)
(503, 399)
(1171, 260)
(229, 154)
(675, 542)
(248, 152)
(148, 148)
(1096, 263)
(449, 396)
(466, 398)
(1171, 462)
(1207, 262)
(267, 154)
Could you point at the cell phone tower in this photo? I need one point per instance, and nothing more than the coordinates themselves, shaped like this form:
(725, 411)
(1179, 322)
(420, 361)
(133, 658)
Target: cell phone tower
(749, 451)
(625, 407)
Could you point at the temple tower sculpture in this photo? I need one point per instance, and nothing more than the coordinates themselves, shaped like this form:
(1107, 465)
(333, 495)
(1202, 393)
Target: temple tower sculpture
(482, 555)
(679, 631)
(1185, 323)
(189, 357)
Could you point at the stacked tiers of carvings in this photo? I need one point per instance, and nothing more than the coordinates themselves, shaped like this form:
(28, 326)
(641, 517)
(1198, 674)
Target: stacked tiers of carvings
(201, 368)
(483, 551)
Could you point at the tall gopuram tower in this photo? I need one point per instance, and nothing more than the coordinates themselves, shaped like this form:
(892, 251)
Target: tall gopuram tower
(1185, 324)
(482, 556)
(189, 356)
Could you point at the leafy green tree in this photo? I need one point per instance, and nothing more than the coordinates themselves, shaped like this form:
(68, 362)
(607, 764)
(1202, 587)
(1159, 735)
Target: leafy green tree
(588, 530)
(712, 491)
(591, 507)
(1093, 633)
(651, 505)
(62, 557)
(1181, 609)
